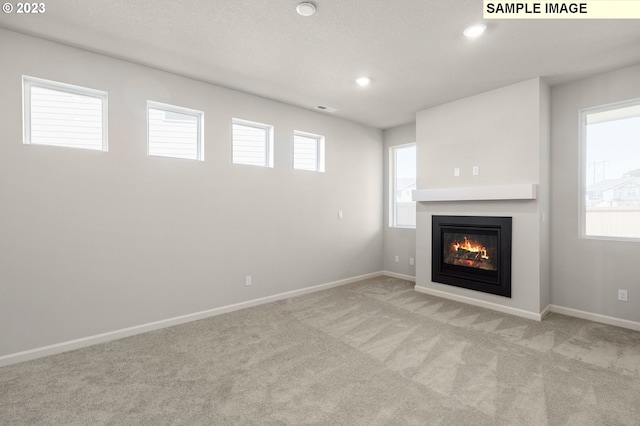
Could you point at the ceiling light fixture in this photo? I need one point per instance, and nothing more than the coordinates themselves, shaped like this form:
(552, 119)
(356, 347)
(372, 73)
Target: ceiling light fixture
(475, 31)
(306, 9)
(363, 81)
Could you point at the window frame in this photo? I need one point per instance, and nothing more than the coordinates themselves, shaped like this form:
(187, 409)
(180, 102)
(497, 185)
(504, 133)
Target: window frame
(583, 168)
(164, 107)
(320, 151)
(268, 128)
(28, 82)
(392, 185)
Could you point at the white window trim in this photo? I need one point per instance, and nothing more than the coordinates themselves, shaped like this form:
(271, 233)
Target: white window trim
(269, 143)
(392, 186)
(582, 167)
(28, 82)
(180, 110)
(320, 165)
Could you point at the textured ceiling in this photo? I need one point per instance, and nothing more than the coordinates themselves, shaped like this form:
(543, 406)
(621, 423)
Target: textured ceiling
(413, 49)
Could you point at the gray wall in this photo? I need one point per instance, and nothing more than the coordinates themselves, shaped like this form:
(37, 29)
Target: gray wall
(92, 242)
(586, 274)
(505, 133)
(544, 193)
(397, 241)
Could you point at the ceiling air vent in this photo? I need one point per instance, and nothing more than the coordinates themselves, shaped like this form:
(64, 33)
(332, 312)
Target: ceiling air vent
(325, 108)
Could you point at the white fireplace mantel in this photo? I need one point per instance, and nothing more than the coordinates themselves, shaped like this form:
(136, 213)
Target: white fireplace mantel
(526, 191)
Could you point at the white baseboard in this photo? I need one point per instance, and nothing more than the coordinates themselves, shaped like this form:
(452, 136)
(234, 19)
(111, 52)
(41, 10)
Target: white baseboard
(604, 319)
(545, 311)
(156, 325)
(401, 276)
(483, 304)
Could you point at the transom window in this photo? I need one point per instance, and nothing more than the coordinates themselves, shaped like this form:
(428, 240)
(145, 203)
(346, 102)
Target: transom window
(610, 142)
(308, 152)
(60, 114)
(252, 143)
(174, 131)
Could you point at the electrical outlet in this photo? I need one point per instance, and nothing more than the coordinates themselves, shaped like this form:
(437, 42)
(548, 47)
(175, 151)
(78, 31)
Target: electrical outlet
(412, 261)
(456, 171)
(622, 295)
(247, 280)
(397, 259)
(340, 215)
(476, 170)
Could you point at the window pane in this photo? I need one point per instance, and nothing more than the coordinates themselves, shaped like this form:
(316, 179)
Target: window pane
(612, 173)
(176, 116)
(404, 182)
(308, 152)
(305, 153)
(251, 144)
(174, 134)
(61, 118)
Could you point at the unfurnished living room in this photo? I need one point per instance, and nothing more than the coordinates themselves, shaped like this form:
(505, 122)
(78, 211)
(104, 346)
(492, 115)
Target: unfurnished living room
(326, 212)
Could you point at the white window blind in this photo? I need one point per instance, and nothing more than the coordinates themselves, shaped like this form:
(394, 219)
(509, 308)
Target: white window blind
(174, 131)
(252, 143)
(308, 152)
(60, 114)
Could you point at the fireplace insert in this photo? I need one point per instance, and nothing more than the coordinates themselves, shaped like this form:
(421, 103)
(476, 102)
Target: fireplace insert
(473, 252)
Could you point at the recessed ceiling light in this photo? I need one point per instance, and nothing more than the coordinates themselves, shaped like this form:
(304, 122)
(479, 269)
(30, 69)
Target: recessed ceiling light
(306, 9)
(363, 81)
(475, 31)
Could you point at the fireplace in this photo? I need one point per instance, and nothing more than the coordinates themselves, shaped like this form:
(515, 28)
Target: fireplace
(473, 252)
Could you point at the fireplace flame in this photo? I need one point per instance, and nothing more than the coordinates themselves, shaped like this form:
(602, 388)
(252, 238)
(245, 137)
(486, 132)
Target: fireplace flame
(471, 246)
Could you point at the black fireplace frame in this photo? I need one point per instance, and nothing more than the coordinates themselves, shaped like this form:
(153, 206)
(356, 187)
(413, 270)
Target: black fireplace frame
(494, 282)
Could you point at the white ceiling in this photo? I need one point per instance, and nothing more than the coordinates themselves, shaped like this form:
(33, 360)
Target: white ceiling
(413, 49)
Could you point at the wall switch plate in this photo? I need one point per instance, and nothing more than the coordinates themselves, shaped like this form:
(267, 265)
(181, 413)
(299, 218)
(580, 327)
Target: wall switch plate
(397, 259)
(622, 295)
(456, 171)
(476, 170)
(340, 215)
(247, 280)
(412, 261)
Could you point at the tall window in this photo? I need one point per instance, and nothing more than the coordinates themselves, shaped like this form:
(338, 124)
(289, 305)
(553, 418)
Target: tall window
(403, 181)
(252, 143)
(308, 152)
(611, 171)
(60, 114)
(174, 131)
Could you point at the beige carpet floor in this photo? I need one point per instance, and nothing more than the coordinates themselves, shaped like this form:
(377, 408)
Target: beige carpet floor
(369, 353)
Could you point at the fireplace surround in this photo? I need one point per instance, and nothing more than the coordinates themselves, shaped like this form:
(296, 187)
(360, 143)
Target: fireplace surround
(472, 252)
